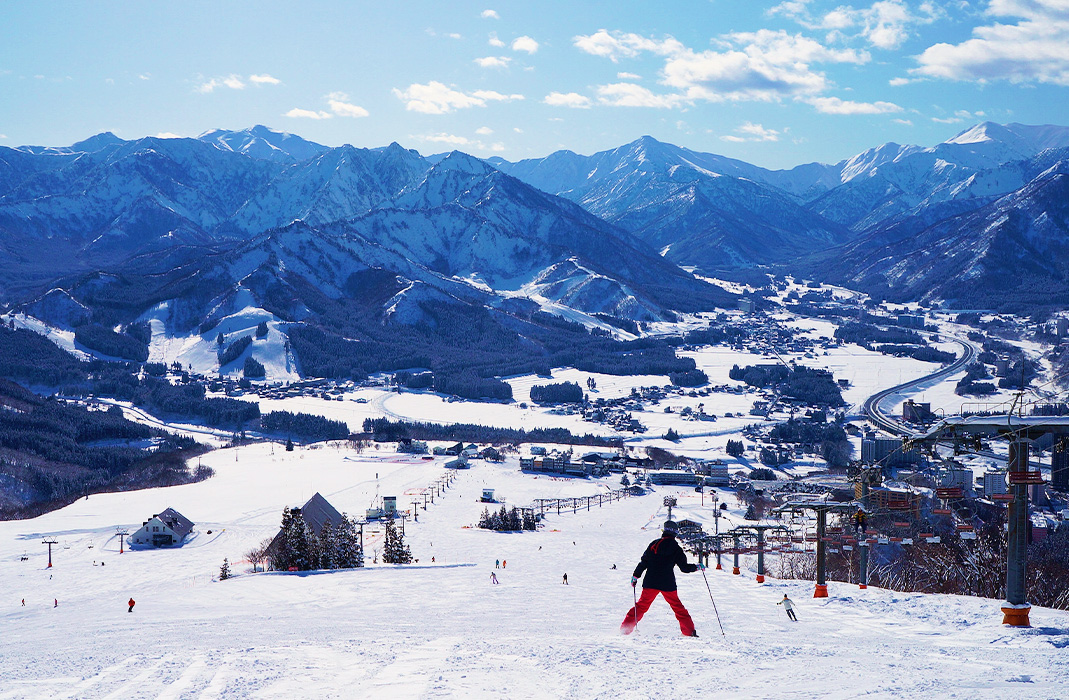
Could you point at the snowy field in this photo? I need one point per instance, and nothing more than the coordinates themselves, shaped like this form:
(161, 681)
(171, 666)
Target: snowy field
(442, 630)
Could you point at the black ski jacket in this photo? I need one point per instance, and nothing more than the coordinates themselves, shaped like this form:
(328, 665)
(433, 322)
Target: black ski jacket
(659, 561)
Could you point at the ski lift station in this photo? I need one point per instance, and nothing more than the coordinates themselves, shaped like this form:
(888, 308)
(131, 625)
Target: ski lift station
(388, 510)
(488, 496)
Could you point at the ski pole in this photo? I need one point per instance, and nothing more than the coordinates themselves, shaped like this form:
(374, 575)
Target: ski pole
(709, 588)
(634, 595)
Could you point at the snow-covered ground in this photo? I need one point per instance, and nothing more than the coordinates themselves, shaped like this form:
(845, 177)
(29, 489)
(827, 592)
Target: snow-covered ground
(443, 630)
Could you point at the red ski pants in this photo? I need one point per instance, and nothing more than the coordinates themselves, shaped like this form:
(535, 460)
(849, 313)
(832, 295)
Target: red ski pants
(686, 625)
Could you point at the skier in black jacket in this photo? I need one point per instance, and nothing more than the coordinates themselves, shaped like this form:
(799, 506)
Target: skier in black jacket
(659, 561)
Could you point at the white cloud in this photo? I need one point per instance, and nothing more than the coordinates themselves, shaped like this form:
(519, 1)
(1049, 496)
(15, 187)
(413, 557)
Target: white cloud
(455, 35)
(438, 98)
(619, 45)
(1033, 50)
(765, 65)
(567, 99)
(886, 24)
(898, 82)
(450, 139)
(484, 131)
(298, 113)
(145, 76)
(632, 95)
(960, 116)
(455, 141)
(232, 81)
(495, 42)
(835, 105)
(752, 132)
(168, 135)
(3, 136)
(517, 129)
(903, 122)
(493, 62)
(495, 96)
(490, 14)
(628, 76)
(524, 43)
(340, 105)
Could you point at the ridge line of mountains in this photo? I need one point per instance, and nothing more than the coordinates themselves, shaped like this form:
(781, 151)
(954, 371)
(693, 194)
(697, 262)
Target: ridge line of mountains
(106, 229)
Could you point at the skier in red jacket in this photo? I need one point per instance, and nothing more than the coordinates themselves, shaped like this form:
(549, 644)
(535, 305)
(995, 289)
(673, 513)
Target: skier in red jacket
(659, 562)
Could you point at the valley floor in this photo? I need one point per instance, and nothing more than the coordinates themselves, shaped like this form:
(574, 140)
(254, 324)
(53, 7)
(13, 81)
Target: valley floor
(442, 629)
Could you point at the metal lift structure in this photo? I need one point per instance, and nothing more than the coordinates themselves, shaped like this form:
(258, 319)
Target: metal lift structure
(1020, 432)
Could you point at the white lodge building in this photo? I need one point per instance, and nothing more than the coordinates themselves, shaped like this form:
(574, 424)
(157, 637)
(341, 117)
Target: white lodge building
(163, 530)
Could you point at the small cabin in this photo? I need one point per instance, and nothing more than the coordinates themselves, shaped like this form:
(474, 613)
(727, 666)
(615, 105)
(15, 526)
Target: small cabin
(488, 496)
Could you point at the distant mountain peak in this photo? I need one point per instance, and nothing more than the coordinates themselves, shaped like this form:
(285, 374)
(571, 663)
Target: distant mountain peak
(96, 143)
(1018, 141)
(464, 163)
(263, 143)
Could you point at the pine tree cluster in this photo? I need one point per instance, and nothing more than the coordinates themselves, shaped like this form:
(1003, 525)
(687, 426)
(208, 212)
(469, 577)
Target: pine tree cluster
(506, 520)
(300, 548)
(394, 549)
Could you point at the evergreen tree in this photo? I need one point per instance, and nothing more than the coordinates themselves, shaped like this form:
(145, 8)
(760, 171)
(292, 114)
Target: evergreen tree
(328, 546)
(529, 522)
(289, 445)
(349, 554)
(224, 570)
(281, 557)
(514, 522)
(394, 550)
(299, 543)
(261, 329)
(485, 520)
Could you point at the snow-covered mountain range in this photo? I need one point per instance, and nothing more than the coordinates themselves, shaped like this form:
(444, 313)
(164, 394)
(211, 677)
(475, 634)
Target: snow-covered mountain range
(716, 213)
(604, 233)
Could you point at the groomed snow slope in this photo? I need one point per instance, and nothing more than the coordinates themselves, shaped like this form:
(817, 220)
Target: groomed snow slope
(443, 630)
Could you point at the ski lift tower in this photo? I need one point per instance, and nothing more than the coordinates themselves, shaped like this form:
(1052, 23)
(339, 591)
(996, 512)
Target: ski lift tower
(757, 533)
(1019, 431)
(49, 541)
(819, 506)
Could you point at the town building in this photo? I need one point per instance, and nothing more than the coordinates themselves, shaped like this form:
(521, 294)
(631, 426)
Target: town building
(994, 482)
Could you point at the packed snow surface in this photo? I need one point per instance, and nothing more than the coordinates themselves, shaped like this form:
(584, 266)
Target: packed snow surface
(442, 629)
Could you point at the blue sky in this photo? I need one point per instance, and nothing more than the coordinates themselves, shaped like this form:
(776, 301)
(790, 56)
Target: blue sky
(777, 84)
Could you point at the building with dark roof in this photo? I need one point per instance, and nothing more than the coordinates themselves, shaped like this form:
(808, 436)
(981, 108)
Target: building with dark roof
(164, 529)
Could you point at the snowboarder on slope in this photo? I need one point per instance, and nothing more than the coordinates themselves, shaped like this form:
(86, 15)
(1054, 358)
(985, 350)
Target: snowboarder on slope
(659, 562)
(131, 604)
(788, 605)
(493, 577)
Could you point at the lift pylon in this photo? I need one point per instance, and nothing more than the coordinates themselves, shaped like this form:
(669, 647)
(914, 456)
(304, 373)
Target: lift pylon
(820, 508)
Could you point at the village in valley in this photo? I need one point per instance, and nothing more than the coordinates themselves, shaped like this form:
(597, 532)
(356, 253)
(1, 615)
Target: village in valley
(790, 470)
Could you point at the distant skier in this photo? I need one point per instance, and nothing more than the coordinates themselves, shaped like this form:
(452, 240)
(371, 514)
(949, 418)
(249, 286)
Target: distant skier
(24, 602)
(565, 581)
(493, 578)
(504, 563)
(55, 603)
(788, 605)
(859, 520)
(131, 604)
(497, 563)
(659, 561)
